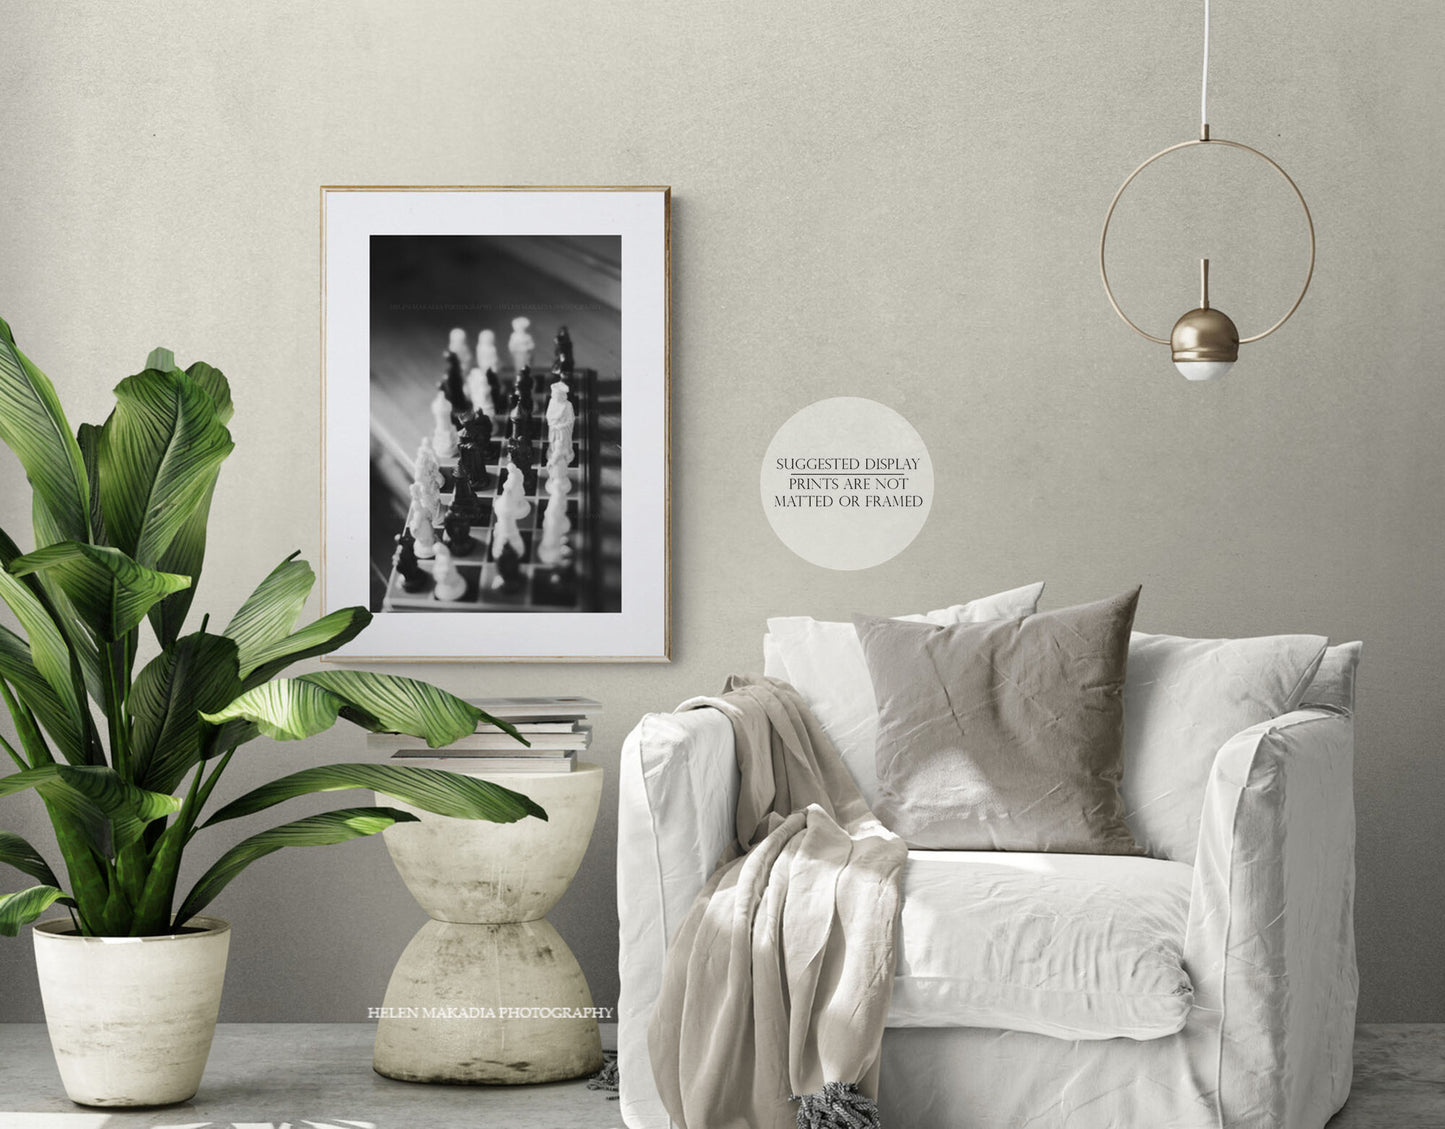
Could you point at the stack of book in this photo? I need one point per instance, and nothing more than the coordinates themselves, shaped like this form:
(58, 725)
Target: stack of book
(556, 729)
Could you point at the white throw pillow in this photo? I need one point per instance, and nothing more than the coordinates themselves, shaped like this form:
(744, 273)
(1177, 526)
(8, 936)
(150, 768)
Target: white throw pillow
(825, 662)
(1183, 699)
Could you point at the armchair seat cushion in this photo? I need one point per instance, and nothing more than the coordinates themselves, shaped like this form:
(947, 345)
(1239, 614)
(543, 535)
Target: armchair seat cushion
(1073, 946)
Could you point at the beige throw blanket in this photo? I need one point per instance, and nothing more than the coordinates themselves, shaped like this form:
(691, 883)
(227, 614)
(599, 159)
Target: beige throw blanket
(777, 984)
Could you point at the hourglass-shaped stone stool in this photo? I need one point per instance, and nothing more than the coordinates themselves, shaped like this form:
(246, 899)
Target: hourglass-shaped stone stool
(487, 991)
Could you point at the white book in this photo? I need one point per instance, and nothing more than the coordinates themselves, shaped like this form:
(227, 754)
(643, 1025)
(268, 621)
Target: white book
(482, 766)
(531, 709)
(486, 742)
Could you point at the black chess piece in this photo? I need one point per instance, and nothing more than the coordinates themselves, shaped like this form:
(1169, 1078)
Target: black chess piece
(519, 450)
(413, 578)
(562, 362)
(494, 383)
(519, 418)
(509, 570)
(458, 529)
(476, 438)
(526, 387)
(452, 385)
(465, 502)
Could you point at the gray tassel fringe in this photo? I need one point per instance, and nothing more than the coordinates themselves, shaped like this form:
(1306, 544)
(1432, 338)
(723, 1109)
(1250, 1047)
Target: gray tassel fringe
(607, 1079)
(838, 1105)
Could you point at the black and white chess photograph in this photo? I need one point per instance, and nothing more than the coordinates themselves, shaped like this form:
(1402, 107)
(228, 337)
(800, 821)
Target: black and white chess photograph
(495, 406)
(496, 416)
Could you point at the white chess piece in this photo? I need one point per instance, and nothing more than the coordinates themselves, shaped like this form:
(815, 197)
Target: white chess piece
(561, 417)
(457, 344)
(427, 501)
(421, 530)
(520, 344)
(487, 351)
(444, 436)
(428, 469)
(558, 479)
(553, 548)
(448, 583)
(479, 392)
(509, 509)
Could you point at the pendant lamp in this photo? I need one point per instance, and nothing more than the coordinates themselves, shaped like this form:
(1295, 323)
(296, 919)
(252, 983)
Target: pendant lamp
(1204, 342)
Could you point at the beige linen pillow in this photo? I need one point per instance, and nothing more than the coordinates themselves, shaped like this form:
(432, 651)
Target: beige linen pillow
(824, 662)
(1005, 735)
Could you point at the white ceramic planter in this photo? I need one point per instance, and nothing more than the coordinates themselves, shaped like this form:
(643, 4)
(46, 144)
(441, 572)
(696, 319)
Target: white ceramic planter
(131, 1018)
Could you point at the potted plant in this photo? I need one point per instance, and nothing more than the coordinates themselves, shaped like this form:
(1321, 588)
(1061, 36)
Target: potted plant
(126, 760)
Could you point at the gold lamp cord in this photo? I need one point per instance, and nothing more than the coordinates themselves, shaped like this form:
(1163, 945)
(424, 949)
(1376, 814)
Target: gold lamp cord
(1205, 139)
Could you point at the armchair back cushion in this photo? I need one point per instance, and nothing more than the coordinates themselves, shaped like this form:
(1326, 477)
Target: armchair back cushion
(824, 662)
(1183, 699)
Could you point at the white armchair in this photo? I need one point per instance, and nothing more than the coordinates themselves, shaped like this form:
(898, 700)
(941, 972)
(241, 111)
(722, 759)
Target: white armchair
(1267, 944)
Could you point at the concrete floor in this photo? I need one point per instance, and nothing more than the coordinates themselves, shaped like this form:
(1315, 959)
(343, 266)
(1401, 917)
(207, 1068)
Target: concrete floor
(318, 1076)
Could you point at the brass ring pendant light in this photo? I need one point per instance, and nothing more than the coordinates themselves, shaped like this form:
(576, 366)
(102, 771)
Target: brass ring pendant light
(1205, 342)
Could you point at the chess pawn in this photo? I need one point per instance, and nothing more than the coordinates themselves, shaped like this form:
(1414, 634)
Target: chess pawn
(553, 549)
(447, 583)
(479, 393)
(457, 343)
(562, 363)
(519, 418)
(487, 351)
(452, 386)
(428, 469)
(424, 537)
(558, 480)
(520, 344)
(413, 579)
(561, 417)
(509, 570)
(444, 434)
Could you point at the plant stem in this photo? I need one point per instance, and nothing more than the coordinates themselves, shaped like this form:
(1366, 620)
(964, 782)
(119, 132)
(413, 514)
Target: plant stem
(206, 792)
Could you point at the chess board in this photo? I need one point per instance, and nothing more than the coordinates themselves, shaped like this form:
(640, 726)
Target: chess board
(570, 586)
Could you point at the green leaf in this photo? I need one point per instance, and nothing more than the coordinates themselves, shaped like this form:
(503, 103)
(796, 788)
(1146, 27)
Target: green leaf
(197, 673)
(16, 852)
(88, 439)
(61, 611)
(446, 793)
(402, 705)
(25, 906)
(18, 668)
(313, 831)
(185, 556)
(214, 382)
(187, 551)
(110, 590)
(318, 638)
(87, 791)
(159, 453)
(48, 649)
(161, 359)
(287, 709)
(271, 611)
(33, 425)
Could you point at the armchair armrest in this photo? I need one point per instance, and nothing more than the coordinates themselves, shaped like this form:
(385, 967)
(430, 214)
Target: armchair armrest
(677, 805)
(1270, 944)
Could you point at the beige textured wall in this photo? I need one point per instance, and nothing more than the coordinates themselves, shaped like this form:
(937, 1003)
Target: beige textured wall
(895, 201)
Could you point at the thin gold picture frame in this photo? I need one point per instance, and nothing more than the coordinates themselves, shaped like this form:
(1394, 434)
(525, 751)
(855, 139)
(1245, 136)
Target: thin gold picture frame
(665, 654)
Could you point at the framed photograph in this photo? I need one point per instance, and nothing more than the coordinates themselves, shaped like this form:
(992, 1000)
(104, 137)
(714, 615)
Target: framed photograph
(495, 417)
